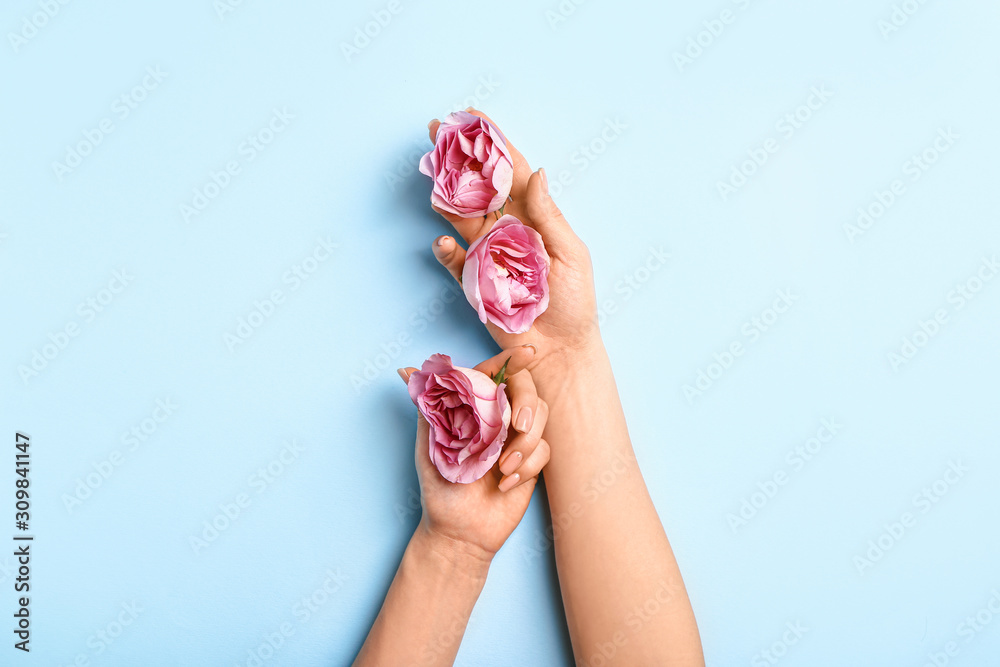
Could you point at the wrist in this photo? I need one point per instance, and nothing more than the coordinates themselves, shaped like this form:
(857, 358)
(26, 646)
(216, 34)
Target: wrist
(453, 557)
(564, 367)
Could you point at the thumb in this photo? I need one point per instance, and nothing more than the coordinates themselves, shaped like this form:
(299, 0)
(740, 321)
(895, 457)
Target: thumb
(546, 217)
(422, 455)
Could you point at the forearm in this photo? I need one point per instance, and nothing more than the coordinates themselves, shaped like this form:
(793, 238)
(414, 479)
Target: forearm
(428, 604)
(621, 586)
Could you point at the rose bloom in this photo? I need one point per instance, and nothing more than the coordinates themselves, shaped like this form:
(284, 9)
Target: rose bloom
(471, 166)
(506, 275)
(468, 415)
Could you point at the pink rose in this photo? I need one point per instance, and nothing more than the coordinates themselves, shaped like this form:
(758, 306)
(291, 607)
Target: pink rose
(468, 415)
(471, 166)
(506, 275)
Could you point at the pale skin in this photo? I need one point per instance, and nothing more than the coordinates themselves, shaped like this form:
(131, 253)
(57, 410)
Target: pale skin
(462, 527)
(621, 586)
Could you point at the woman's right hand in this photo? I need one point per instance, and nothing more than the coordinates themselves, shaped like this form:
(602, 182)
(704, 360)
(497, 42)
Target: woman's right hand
(570, 322)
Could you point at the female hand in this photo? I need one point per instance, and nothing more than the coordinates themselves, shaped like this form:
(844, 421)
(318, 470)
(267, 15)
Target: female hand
(481, 516)
(570, 322)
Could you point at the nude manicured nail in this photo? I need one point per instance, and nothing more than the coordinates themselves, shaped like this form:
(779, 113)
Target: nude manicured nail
(523, 422)
(402, 374)
(510, 464)
(509, 483)
(442, 241)
(545, 180)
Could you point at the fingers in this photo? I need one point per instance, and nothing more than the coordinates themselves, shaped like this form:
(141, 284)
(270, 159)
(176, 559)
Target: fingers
(469, 229)
(526, 453)
(529, 469)
(421, 451)
(545, 216)
(519, 357)
(523, 401)
(520, 447)
(521, 461)
(450, 255)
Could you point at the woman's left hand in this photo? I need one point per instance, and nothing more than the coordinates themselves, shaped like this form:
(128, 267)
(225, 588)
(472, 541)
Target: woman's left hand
(481, 516)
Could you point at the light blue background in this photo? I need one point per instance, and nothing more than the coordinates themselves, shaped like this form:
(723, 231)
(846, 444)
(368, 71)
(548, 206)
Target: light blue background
(344, 168)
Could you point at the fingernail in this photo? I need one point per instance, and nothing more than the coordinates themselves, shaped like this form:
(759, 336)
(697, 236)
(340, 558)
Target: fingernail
(523, 423)
(534, 350)
(431, 122)
(402, 374)
(545, 180)
(509, 483)
(510, 463)
(441, 241)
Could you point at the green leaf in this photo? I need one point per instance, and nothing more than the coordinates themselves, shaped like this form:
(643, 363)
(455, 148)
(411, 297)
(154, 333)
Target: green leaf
(500, 377)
